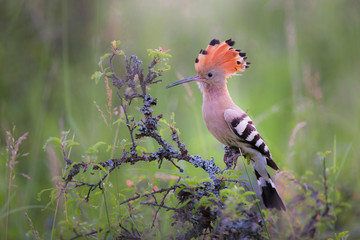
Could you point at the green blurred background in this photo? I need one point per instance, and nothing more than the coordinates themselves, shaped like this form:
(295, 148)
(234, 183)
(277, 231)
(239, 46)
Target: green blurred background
(305, 70)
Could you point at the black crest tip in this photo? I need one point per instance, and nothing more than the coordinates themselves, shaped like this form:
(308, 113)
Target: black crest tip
(214, 42)
(230, 42)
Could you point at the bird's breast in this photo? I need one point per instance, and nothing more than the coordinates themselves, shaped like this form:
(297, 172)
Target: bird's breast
(214, 120)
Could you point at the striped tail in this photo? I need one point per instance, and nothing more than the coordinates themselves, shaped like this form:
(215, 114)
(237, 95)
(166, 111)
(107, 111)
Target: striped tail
(269, 194)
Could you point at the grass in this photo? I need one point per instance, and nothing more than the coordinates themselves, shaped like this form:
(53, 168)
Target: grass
(257, 203)
(50, 49)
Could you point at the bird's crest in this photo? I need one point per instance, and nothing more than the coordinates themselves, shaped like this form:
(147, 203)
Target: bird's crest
(222, 56)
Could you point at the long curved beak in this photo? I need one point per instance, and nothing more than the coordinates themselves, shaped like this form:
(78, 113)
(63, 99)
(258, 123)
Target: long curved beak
(190, 79)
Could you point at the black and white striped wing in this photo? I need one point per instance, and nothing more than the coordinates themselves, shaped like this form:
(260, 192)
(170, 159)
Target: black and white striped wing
(243, 127)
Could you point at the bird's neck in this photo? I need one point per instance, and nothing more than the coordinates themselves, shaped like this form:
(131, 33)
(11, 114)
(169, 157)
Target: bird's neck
(217, 96)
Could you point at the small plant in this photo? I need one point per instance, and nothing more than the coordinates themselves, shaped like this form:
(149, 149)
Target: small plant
(12, 157)
(310, 211)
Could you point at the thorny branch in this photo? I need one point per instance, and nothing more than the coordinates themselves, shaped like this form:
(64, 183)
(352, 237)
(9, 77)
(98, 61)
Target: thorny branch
(78, 235)
(151, 194)
(134, 85)
(129, 126)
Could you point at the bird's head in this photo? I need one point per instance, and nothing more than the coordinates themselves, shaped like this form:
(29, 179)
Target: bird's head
(216, 63)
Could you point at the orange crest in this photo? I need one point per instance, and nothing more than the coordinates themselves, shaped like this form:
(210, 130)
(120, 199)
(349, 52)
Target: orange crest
(221, 56)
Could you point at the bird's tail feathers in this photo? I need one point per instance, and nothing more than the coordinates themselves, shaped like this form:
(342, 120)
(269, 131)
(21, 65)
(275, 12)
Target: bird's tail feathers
(269, 194)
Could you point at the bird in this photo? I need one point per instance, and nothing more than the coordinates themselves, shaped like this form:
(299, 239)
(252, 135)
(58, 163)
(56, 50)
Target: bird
(226, 121)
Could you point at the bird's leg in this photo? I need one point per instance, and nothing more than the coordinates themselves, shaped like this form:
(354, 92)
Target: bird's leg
(230, 156)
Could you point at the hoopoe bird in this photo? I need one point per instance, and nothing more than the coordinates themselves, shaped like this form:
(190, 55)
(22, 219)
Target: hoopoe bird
(225, 120)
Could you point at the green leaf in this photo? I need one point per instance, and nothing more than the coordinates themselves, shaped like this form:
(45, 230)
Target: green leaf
(103, 57)
(104, 169)
(184, 203)
(106, 55)
(98, 144)
(109, 148)
(205, 201)
(97, 75)
(115, 43)
(227, 193)
(162, 120)
(119, 52)
(94, 149)
(205, 180)
(70, 143)
(140, 149)
(342, 236)
(42, 191)
(120, 120)
(248, 193)
(54, 140)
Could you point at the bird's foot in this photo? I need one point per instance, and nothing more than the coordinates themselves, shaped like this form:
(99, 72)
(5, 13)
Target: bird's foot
(230, 156)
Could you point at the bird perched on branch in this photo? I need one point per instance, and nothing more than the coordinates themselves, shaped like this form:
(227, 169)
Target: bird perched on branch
(225, 120)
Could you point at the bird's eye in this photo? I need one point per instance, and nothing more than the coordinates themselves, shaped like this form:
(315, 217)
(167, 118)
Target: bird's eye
(210, 74)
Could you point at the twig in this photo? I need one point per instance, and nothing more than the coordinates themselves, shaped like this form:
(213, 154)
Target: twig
(177, 166)
(152, 193)
(134, 235)
(132, 199)
(86, 234)
(159, 205)
(327, 207)
(128, 125)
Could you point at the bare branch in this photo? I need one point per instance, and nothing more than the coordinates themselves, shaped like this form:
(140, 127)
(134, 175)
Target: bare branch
(152, 193)
(134, 85)
(158, 205)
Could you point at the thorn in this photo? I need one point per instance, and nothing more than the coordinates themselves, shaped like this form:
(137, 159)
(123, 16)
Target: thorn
(196, 60)
(248, 63)
(242, 54)
(204, 52)
(238, 62)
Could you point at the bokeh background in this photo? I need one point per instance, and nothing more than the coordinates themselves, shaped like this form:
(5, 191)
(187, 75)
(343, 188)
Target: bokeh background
(302, 88)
